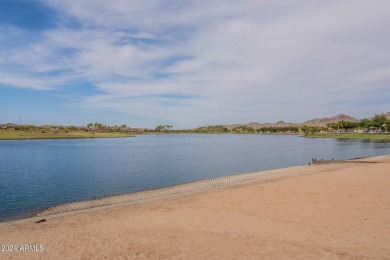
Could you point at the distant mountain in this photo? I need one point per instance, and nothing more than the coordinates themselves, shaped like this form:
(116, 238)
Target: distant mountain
(326, 120)
(312, 122)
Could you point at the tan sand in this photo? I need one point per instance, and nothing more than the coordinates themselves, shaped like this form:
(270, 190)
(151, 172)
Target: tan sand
(326, 211)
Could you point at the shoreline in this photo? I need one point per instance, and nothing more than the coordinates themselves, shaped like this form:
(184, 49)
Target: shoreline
(160, 193)
(358, 136)
(188, 188)
(166, 192)
(327, 211)
(182, 189)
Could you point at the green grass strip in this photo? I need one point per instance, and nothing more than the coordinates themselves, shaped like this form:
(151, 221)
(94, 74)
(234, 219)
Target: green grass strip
(353, 136)
(21, 135)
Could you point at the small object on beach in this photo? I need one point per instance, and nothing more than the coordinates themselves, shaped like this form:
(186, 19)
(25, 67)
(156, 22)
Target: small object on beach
(40, 221)
(309, 163)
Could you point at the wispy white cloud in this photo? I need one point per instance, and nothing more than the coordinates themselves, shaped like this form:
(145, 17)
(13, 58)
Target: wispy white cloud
(253, 60)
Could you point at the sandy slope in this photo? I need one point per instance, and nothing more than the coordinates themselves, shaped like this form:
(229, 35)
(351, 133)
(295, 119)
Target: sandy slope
(339, 210)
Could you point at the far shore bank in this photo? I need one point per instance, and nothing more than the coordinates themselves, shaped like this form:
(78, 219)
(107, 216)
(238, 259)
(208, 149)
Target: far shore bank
(331, 210)
(21, 135)
(374, 136)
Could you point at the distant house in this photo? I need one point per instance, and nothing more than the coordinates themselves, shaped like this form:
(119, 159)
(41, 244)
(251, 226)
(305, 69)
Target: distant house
(93, 129)
(9, 126)
(138, 129)
(361, 131)
(374, 130)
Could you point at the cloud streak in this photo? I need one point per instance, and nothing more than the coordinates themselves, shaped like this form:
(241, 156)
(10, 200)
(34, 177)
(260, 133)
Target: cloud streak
(256, 60)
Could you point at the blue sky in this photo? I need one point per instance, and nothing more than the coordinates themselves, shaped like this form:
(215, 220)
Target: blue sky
(192, 63)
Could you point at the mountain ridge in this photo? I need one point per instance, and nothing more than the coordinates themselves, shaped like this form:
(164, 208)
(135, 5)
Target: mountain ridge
(319, 122)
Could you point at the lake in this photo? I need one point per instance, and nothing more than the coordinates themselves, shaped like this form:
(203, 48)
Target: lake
(35, 174)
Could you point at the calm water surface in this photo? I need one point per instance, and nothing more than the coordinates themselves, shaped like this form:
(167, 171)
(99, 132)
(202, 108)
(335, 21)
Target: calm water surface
(40, 173)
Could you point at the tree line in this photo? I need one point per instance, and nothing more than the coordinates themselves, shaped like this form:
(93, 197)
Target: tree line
(378, 123)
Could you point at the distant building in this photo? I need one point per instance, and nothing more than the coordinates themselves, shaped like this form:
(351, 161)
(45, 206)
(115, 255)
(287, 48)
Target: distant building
(374, 130)
(361, 131)
(8, 126)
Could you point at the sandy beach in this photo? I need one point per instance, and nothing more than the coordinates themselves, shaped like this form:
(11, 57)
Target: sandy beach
(337, 210)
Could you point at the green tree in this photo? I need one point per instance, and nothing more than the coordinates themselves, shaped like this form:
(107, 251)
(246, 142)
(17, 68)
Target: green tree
(159, 128)
(379, 121)
(365, 123)
(163, 128)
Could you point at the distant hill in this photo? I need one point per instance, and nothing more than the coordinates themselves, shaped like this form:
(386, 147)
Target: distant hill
(326, 120)
(312, 122)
